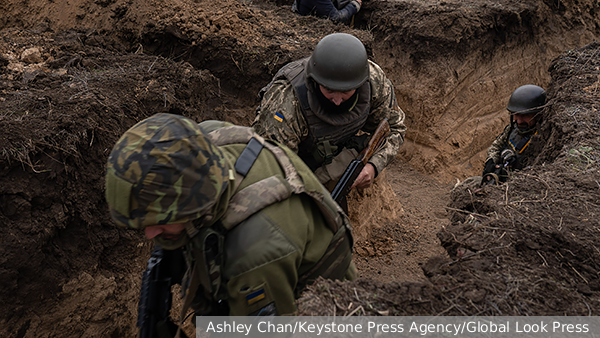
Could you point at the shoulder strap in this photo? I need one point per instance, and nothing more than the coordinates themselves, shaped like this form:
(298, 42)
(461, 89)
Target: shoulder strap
(299, 84)
(261, 194)
(248, 157)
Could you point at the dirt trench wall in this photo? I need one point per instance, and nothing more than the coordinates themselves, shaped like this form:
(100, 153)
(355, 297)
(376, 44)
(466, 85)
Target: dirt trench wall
(528, 247)
(65, 267)
(455, 63)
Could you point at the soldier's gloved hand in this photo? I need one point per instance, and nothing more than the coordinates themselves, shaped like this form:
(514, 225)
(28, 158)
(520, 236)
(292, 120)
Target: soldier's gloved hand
(508, 156)
(489, 167)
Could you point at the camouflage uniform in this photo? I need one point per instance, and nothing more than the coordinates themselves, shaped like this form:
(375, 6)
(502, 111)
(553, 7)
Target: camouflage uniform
(280, 117)
(512, 138)
(281, 228)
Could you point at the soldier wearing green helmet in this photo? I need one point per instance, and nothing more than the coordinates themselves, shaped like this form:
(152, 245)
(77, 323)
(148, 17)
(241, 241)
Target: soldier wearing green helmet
(253, 223)
(317, 105)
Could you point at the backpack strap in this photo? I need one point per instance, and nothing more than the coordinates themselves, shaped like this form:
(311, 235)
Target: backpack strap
(259, 195)
(253, 198)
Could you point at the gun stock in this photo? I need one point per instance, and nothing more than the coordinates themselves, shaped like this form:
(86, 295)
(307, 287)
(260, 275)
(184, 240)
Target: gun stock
(342, 188)
(376, 141)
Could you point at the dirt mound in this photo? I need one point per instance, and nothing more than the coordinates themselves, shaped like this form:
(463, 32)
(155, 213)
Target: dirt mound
(75, 75)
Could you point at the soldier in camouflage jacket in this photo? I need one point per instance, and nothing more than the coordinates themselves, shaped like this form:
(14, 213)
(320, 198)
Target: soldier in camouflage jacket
(510, 150)
(183, 183)
(317, 105)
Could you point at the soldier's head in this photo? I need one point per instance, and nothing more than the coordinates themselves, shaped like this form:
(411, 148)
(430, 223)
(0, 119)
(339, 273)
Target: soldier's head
(163, 176)
(339, 66)
(525, 105)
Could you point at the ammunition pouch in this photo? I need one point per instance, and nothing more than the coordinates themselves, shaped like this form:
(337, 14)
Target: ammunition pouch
(329, 174)
(207, 250)
(325, 152)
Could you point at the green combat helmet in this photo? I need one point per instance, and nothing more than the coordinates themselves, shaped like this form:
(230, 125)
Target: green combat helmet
(339, 63)
(164, 170)
(527, 99)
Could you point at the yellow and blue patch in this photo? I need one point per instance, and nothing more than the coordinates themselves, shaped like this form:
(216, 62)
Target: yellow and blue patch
(279, 117)
(255, 296)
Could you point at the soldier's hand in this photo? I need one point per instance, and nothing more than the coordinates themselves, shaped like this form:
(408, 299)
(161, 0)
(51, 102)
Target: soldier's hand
(489, 167)
(365, 178)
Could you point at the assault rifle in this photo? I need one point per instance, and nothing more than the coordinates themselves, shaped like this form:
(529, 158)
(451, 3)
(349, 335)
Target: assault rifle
(342, 188)
(165, 268)
(500, 174)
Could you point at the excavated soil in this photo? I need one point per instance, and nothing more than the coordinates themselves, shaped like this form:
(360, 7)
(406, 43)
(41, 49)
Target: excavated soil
(74, 75)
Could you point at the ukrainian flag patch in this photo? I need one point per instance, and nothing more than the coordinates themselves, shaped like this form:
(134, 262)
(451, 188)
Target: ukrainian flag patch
(255, 296)
(278, 117)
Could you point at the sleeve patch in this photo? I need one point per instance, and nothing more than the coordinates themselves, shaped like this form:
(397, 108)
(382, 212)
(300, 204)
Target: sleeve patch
(279, 117)
(255, 296)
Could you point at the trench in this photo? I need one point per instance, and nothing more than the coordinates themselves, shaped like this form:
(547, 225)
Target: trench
(453, 71)
(452, 78)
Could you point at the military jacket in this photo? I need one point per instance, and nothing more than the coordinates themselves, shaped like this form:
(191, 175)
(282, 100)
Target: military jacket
(511, 138)
(280, 116)
(269, 251)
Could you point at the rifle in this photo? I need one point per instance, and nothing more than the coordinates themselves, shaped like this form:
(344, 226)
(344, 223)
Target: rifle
(501, 173)
(342, 188)
(165, 268)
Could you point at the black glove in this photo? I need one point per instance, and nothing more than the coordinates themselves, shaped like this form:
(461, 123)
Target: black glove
(508, 157)
(489, 167)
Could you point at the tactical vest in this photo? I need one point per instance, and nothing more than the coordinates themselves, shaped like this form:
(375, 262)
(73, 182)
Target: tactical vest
(257, 196)
(518, 142)
(327, 133)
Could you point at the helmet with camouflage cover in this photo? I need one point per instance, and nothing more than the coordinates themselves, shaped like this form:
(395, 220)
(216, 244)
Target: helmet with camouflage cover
(527, 99)
(339, 63)
(163, 170)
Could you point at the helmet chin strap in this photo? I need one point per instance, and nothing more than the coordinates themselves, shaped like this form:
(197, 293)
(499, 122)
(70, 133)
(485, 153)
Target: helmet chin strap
(527, 130)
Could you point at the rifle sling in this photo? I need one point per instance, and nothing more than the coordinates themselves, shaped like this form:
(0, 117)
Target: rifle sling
(189, 297)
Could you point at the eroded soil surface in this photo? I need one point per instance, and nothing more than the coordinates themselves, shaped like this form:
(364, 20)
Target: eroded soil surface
(75, 75)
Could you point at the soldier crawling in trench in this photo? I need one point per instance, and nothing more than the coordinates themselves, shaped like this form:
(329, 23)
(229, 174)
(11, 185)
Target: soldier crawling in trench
(317, 105)
(242, 224)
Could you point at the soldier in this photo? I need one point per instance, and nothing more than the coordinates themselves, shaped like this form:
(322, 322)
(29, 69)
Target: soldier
(508, 151)
(317, 105)
(253, 223)
(334, 10)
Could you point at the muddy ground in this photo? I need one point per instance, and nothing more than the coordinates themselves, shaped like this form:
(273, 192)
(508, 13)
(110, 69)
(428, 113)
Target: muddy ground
(74, 75)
